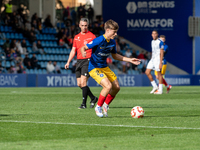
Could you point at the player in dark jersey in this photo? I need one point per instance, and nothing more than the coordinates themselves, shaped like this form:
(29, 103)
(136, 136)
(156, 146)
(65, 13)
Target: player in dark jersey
(98, 69)
(82, 74)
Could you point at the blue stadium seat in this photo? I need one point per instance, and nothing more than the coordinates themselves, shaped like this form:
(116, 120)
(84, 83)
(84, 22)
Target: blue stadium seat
(39, 71)
(1, 42)
(47, 57)
(62, 65)
(140, 66)
(69, 71)
(8, 35)
(135, 72)
(21, 36)
(39, 57)
(12, 35)
(42, 64)
(43, 44)
(27, 71)
(12, 63)
(2, 29)
(59, 57)
(35, 71)
(31, 71)
(43, 57)
(137, 52)
(44, 71)
(53, 51)
(52, 57)
(45, 50)
(17, 36)
(56, 58)
(55, 44)
(51, 44)
(8, 64)
(3, 63)
(28, 43)
(22, 56)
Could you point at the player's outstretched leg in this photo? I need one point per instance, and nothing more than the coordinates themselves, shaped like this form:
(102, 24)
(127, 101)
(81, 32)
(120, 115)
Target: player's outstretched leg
(105, 83)
(111, 95)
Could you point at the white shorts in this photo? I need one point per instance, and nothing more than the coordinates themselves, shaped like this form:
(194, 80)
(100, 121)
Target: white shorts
(154, 64)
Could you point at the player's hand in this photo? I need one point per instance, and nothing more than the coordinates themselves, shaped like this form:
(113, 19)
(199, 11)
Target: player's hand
(67, 66)
(135, 61)
(160, 66)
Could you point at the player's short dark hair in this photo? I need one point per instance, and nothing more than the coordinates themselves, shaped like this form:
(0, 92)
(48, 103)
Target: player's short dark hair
(111, 24)
(162, 36)
(85, 20)
(155, 31)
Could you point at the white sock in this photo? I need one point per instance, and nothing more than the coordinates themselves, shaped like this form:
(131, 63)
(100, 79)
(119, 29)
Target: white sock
(105, 104)
(160, 87)
(153, 83)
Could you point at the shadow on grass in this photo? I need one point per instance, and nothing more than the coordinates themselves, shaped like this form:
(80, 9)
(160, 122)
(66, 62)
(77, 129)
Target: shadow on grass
(8, 115)
(5, 115)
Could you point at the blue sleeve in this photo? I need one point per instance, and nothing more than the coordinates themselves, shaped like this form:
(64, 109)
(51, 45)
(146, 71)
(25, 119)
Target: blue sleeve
(94, 42)
(161, 45)
(167, 48)
(114, 50)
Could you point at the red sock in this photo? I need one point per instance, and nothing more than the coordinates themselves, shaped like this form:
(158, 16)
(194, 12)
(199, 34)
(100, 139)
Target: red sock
(101, 100)
(109, 99)
(164, 82)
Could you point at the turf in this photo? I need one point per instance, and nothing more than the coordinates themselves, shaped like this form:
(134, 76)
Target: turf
(47, 112)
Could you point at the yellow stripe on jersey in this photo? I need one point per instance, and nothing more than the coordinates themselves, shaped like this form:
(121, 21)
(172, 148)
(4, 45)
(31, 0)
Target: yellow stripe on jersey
(99, 74)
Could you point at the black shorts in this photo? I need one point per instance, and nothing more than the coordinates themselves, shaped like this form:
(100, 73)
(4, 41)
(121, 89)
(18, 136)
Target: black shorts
(82, 67)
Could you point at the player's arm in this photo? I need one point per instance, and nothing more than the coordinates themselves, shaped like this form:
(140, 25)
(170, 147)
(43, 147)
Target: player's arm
(161, 58)
(90, 45)
(122, 58)
(71, 56)
(83, 50)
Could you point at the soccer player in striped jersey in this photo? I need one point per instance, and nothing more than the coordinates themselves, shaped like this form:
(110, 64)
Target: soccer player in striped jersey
(98, 69)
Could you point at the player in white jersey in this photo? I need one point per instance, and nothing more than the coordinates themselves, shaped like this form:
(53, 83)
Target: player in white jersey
(155, 63)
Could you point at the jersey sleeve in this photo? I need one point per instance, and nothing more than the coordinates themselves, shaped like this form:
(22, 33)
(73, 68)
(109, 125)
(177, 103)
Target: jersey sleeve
(94, 42)
(161, 45)
(74, 43)
(166, 49)
(114, 50)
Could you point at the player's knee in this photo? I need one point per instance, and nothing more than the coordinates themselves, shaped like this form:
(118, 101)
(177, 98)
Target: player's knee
(83, 83)
(108, 86)
(147, 72)
(117, 88)
(79, 85)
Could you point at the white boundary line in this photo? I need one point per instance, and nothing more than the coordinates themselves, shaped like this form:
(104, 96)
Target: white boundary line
(103, 125)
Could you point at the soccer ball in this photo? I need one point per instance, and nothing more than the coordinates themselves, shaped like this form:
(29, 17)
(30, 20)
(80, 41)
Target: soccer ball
(137, 112)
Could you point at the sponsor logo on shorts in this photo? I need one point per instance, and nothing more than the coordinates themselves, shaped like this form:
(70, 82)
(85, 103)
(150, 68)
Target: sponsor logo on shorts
(101, 75)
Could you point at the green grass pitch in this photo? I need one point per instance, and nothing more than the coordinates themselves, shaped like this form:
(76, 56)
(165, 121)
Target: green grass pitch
(48, 119)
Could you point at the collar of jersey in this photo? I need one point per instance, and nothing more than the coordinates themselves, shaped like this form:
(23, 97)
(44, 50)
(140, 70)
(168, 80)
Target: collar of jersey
(106, 38)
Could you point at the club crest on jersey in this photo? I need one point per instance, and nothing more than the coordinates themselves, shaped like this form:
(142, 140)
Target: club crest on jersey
(101, 75)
